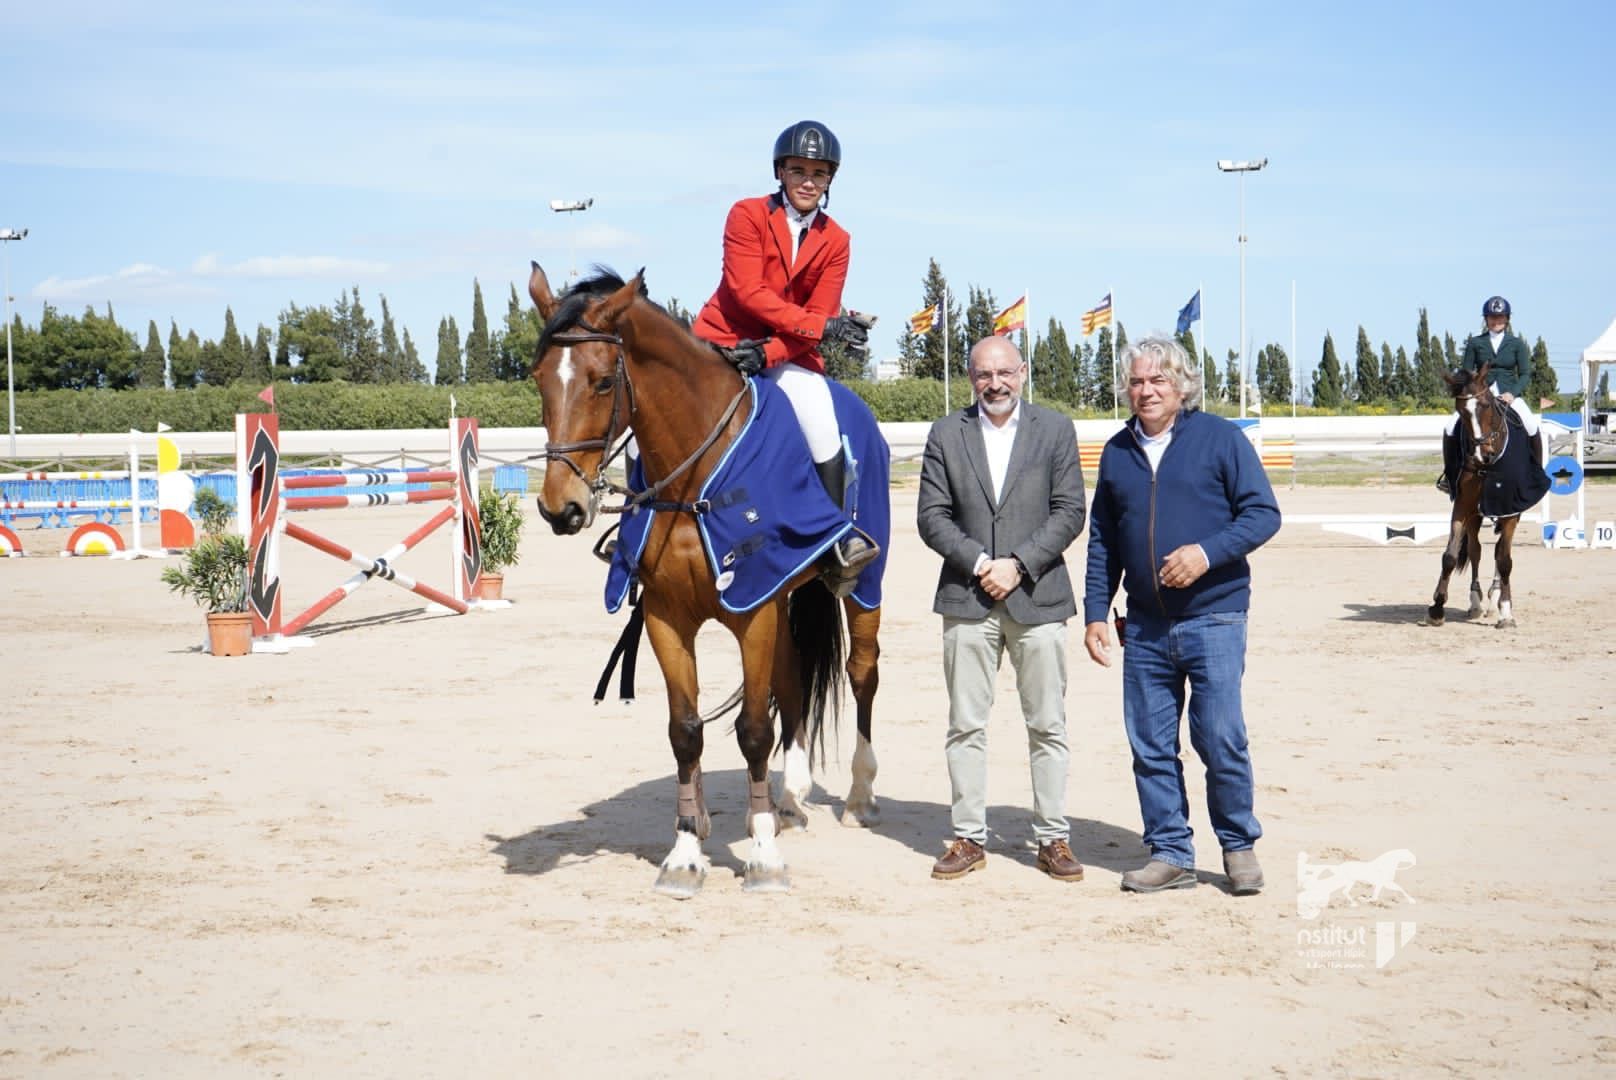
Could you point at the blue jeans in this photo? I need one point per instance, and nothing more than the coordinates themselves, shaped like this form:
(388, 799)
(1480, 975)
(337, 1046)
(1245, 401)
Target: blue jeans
(1205, 654)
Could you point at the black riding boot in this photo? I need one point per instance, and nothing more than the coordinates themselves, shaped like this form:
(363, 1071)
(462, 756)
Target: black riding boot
(1450, 464)
(1537, 448)
(840, 567)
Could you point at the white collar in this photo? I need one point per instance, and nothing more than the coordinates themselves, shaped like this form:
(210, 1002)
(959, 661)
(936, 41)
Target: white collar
(798, 220)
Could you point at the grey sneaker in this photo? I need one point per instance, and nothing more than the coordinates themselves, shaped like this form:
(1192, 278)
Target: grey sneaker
(1245, 876)
(1155, 876)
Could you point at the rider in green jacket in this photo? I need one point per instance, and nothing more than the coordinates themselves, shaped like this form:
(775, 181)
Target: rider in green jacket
(1511, 371)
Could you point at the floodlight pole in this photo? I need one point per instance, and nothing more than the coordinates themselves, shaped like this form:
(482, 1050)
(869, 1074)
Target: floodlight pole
(1242, 167)
(6, 236)
(571, 206)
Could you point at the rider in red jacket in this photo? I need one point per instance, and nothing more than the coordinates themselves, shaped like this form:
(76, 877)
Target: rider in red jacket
(785, 262)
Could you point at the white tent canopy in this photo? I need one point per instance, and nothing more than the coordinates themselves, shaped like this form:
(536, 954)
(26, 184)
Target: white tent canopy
(1602, 351)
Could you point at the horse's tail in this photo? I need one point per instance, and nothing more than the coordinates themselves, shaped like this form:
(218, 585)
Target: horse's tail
(816, 630)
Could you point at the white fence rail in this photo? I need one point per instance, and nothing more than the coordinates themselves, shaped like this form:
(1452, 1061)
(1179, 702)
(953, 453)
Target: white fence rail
(1315, 435)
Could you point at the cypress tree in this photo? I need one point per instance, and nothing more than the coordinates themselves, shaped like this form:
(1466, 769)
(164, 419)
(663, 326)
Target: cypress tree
(479, 351)
(153, 360)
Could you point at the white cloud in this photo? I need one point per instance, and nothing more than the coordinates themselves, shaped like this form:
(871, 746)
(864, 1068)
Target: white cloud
(288, 266)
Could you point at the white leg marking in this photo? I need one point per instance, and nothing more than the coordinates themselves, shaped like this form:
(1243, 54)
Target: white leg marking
(766, 867)
(564, 369)
(861, 810)
(796, 781)
(684, 869)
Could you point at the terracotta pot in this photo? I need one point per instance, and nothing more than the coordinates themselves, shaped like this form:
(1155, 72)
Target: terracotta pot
(230, 633)
(491, 586)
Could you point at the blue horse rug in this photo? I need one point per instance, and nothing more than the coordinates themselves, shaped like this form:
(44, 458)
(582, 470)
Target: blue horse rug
(765, 515)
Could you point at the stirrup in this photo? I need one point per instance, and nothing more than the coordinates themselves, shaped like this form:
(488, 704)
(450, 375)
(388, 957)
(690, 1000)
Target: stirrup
(847, 558)
(606, 546)
(1442, 484)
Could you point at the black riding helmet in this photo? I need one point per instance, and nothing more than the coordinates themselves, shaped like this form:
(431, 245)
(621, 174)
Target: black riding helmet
(808, 139)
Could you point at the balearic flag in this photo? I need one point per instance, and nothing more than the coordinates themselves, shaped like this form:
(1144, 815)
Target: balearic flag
(922, 321)
(1097, 316)
(1189, 312)
(1011, 318)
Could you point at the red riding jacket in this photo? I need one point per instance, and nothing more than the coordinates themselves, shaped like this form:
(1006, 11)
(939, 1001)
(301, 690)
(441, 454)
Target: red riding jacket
(764, 294)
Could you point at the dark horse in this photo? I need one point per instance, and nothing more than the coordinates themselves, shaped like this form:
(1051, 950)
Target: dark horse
(610, 360)
(1484, 433)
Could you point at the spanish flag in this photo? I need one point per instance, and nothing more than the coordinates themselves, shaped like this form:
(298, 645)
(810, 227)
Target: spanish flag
(1097, 316)
(922, 321)
(1011, 318)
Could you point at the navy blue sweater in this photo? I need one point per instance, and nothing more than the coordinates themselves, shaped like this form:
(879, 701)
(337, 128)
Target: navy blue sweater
(1210, 489)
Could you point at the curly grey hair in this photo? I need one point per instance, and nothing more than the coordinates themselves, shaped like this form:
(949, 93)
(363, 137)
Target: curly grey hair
(1170, 357)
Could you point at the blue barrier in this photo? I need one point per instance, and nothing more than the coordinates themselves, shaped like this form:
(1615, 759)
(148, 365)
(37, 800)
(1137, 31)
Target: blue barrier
(510, 478)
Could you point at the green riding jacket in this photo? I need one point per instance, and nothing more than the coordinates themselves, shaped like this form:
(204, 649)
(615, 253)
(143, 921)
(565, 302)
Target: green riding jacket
(1512, 364)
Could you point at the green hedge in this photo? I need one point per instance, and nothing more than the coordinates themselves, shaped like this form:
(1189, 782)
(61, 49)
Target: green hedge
(333, 406)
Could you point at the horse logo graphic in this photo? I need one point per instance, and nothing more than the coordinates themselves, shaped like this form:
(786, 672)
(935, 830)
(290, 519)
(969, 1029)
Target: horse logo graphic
(1317, 883)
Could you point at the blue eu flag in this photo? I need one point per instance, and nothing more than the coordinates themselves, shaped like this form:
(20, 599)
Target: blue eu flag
(1189, 312)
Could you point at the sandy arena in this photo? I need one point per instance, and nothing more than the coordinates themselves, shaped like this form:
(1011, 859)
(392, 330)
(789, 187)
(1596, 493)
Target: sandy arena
(419, 849)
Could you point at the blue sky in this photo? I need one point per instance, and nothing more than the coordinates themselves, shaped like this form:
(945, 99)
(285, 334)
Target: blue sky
(173, 158)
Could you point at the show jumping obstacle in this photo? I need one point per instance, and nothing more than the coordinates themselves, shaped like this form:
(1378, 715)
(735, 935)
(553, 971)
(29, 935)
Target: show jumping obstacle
(175, 489)
(264, 497)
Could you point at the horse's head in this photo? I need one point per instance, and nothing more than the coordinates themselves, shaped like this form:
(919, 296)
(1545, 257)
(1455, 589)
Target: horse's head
(1481, 412)
(579, 369)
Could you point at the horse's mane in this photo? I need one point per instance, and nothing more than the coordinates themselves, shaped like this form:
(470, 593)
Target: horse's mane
(601, 282)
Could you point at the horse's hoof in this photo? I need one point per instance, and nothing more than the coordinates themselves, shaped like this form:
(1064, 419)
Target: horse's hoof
(680, 882)
(766, 879)
(1505, 624)
(861, 815)
(1433, 620)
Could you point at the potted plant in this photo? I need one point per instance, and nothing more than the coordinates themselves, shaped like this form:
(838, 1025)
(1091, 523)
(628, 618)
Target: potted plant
(502, 521)
(215, 576)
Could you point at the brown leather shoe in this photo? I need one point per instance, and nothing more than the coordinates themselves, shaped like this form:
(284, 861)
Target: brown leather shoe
(962, 857)
(1156, 876)
(1056, 859)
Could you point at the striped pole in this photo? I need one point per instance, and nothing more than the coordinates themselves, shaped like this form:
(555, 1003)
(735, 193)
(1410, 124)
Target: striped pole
(379, 567)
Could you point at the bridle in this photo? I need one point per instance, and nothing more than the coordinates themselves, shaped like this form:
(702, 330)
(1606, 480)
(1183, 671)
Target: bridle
(617, 426)
(1489, 447)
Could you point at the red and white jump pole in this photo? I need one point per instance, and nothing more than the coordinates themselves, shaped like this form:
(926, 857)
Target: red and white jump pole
(263, 499)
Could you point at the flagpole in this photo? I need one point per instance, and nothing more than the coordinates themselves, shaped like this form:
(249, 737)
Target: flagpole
(1293, 360)
(1111, 294)
(947, 408)
(1026, 333)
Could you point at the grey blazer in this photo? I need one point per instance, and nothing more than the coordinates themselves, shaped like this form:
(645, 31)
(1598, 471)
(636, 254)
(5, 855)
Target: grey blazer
(1039, 514)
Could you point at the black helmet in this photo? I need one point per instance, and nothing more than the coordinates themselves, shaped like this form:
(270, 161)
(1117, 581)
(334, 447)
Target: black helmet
(808, 139)
(1495, 305)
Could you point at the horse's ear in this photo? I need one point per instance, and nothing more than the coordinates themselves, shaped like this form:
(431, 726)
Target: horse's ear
(538, 287)
(617, 303)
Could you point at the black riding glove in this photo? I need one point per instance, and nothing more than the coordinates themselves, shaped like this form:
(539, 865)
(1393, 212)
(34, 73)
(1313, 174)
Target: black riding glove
(850, 330)
(747, 356)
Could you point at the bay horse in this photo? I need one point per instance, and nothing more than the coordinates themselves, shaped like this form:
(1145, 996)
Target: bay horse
(1483, 436)
(610, 361)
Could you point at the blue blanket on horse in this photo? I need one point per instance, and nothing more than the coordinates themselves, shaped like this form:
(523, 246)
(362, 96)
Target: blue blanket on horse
(1514, 483)
(767, 516)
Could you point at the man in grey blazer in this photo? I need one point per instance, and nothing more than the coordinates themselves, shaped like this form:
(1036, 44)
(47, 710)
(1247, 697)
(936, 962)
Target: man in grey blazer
(1001, 499)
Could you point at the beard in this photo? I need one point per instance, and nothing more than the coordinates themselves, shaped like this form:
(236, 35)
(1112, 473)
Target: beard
(1001, 406)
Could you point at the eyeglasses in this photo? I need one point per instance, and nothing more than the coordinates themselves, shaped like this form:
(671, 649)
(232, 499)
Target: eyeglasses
(817, 177)
(1003, 375)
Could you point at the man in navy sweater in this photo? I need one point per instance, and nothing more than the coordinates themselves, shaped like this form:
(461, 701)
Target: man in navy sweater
(1181, 500)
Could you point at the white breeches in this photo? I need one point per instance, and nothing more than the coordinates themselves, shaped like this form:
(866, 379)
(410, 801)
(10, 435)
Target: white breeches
(810, 399)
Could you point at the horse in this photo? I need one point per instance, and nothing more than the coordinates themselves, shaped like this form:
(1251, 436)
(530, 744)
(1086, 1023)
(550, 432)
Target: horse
(610, 361)
(1484, 435)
